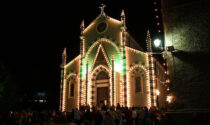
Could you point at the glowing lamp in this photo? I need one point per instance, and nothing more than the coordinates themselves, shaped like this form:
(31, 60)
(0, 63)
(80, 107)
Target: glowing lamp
(157, 92)
(157, 42)
(169, 99)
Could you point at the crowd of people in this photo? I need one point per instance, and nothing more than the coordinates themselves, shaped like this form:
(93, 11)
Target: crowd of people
(111, 115)
(104, 115)
(31, 117)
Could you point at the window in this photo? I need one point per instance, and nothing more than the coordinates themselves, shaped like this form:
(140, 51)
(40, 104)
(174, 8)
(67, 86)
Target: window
(101, 27)
(72, 90)
(138, 84)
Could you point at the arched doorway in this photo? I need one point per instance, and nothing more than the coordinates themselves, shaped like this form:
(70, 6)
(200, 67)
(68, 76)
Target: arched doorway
(102, 88)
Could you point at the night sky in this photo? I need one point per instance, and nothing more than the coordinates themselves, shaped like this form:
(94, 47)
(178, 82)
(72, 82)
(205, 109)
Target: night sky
(35, 33)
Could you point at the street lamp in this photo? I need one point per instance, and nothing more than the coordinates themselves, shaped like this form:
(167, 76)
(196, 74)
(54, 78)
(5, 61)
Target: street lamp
(157, 42)
(157, 99)
(157, 92)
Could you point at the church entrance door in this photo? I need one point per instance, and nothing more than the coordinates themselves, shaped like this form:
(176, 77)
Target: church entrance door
(102, 88)
(102, 95)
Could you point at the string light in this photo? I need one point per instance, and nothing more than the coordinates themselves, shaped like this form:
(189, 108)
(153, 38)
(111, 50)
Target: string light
(169, 98)
(97, 70)
(104, 54)
(156, 9)
(73, 61)
(132, 68)
(144, 72)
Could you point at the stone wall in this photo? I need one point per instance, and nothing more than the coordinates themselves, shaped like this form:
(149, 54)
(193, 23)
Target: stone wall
(187, 28)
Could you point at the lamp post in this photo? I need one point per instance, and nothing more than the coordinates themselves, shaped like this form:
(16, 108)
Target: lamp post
(157, 45)
(157, 99)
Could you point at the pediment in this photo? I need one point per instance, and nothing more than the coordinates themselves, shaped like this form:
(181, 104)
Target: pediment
(101, 58)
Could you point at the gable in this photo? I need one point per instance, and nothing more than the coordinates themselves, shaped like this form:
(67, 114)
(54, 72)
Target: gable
(101, 58)
(102, 26)
(111, 50)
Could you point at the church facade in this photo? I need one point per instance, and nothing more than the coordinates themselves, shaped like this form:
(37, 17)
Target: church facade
(111, 68)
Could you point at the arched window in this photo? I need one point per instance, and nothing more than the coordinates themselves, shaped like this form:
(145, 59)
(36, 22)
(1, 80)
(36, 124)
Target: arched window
(138, 82)
(71, 87)
(72, 90)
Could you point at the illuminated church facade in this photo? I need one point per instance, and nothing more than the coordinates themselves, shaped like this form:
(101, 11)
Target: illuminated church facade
(111, 68)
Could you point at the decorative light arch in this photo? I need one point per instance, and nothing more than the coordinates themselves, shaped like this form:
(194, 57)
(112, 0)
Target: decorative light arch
(92, 81)
(101, 40)
(98, 42)
(146, 73)
(71, 74)
(137, 66)
(100, 68)
(105, 55)
(77, 79)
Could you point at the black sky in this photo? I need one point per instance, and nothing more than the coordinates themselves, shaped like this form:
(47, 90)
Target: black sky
(35, 33)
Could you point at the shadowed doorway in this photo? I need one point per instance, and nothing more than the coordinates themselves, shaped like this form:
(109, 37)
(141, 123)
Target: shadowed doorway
(102, 88)
(102, 95)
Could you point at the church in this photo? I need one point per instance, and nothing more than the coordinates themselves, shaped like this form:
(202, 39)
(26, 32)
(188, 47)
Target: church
(111, 69)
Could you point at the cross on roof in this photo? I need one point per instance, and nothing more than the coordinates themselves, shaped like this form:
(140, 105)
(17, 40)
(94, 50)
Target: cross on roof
(102, 8)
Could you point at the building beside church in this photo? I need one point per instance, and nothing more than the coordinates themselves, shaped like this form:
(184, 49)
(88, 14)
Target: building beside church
(186, 30)
(111, 68)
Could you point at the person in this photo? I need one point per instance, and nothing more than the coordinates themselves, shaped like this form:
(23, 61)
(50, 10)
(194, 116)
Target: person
(98, 118)
(104, 107)
(156, 116)
(133, 115)
(140, 116)
(77, 116)
(114, 115)
(147, 117)
(87, 117)
(92, 116)
(118, 106)
(72, 122)
(108, 120)
(128, 113)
